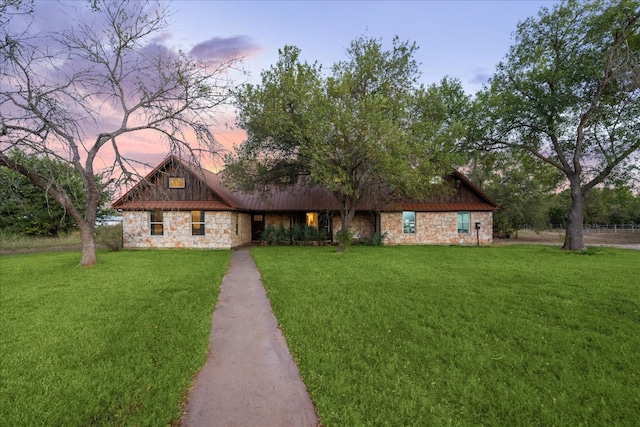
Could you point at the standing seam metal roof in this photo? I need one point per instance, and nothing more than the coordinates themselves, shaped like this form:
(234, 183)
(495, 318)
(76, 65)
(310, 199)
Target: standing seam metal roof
(297, 198)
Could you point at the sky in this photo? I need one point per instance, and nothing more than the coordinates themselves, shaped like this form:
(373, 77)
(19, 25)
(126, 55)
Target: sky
(459, 39)
(462, 39)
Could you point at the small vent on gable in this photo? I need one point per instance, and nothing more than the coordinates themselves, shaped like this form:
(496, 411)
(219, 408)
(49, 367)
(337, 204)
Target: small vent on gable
(176, 182)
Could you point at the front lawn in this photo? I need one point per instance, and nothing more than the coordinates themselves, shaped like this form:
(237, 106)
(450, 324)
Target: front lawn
(444, 336)
(115, 344)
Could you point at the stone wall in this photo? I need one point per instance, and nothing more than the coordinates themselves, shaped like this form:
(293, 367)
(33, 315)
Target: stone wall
(244, 229)
(276, 219)
(439, 228)
(363, 225)
(220, 230)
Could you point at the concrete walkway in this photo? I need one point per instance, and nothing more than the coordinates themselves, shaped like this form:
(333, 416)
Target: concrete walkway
(250, 378)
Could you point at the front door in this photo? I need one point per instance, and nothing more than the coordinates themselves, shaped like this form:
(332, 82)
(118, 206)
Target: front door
(257, 226)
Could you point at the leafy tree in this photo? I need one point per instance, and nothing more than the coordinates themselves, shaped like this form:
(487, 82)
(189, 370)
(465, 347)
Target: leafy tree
(595, 210)
(634, 210)
(27, 210)
(558, 205)
(74, 94)
(368, 123)
(611, 205)
(520, 185)
(568, 93)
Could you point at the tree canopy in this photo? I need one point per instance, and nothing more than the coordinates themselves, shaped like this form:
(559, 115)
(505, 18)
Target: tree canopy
(568, 93)
(365, 124)
(73, 94)
(520, 185)
(27, 210)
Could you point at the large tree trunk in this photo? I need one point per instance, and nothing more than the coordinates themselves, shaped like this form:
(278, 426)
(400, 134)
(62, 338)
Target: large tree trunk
(88, 236)
(347, 217)
(86, 224)
(574, 237)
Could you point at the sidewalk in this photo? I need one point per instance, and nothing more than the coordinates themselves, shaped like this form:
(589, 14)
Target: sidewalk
(250, 378)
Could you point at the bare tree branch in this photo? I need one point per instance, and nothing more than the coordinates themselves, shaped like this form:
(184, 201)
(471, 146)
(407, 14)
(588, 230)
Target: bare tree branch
(81, 93)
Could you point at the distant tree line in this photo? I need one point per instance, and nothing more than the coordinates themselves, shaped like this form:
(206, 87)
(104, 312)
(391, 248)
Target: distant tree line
(530, 195)
(607, 205)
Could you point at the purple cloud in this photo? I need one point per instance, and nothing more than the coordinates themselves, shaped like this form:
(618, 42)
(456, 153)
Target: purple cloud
(221, 48)
(480, 76)
(162, 37)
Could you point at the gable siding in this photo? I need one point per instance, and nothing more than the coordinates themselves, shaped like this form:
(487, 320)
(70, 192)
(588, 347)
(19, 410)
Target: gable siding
(158, 188)
(455, 191)
(466, 194)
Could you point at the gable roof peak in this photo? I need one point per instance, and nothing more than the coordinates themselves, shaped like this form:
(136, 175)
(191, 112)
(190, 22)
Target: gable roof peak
(210, 180)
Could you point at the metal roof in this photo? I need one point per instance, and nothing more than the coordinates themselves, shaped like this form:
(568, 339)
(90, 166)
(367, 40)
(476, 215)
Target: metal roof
(174, 205)
(296, 198)
(441, 207)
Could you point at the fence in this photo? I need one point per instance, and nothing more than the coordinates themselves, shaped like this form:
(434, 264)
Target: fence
(603, 228)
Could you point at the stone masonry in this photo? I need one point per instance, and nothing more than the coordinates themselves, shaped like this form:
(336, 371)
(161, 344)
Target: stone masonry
(220, 230)
(225, 230)
(440, 228)
(362, 225)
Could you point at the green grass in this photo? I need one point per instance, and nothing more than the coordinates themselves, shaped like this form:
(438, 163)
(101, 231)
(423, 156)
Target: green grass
(115, 344)
(462, 336)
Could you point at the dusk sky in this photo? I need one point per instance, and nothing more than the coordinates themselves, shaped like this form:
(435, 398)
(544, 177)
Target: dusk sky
(460, 39)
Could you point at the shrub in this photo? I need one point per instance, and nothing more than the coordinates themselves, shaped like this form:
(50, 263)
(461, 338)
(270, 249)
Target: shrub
(297, 234)
(275, 236)
(310, 233)
(378, 239)
(110, 236)
(345, 238)
(268, 234)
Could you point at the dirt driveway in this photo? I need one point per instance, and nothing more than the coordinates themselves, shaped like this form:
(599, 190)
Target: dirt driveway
(626, 240)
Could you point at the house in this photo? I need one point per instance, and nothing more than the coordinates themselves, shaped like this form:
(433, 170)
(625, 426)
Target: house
(180, 205)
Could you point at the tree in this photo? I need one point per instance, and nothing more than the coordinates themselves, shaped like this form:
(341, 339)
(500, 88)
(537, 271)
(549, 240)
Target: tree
(27, 210)
(369, 123)
(612, 204)
(74, 94)
(520, 185)
(568, 93)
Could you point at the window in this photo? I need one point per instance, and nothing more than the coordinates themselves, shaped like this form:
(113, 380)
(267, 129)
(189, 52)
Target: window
(176, 182)
(312, 219)
(197, 223)
(408, 222)
(464, 222)
(156, 224)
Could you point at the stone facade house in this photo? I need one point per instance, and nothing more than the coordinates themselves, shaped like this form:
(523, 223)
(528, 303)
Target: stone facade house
(179, 205)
